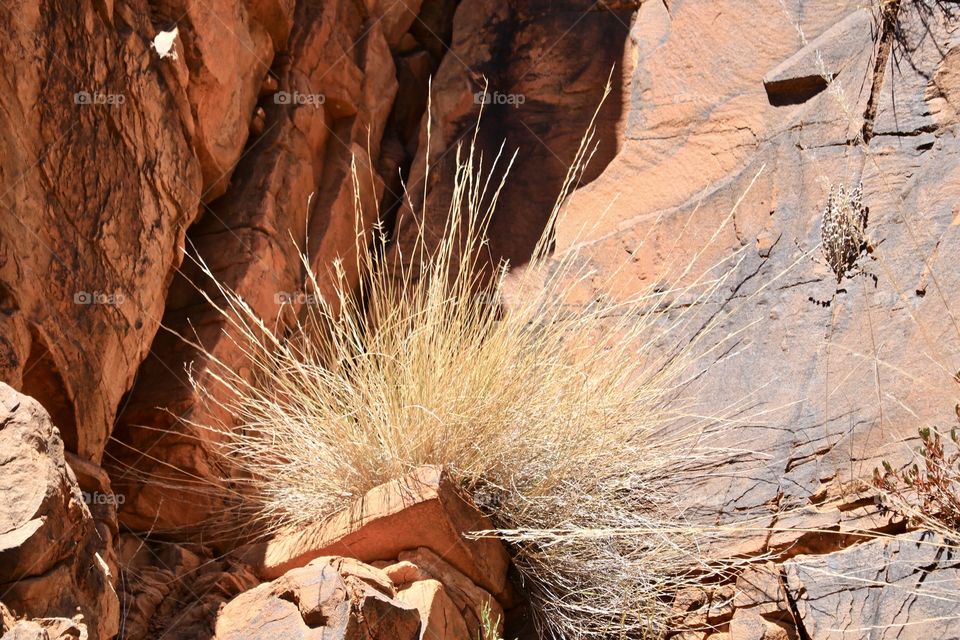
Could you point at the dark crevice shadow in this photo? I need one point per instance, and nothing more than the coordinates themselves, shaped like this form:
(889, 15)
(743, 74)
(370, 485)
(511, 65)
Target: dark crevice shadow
(545, 78)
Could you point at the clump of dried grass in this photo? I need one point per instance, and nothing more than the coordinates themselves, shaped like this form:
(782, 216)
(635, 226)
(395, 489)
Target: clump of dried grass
(566, 421)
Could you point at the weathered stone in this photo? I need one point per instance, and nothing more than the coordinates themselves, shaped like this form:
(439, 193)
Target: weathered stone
(541, 92)
(295, 182)
(98, 183)
(51, 556)
(174, 589)
(318, 601)
(700, 131)
(760, 588)
(225, 53)
(750, 625)
(897, 588)
(439, 617)
(469, 599)
(424, 509)
(808, 72)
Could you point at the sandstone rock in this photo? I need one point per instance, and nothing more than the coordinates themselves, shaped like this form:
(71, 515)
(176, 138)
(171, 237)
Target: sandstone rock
(424, 509)
(893, 588)
(98, 495)
(704, 608)
(760, 588)
(46, 629)
(175, 590)
(99, 182)
(699, 129)
(319, 601)
(807, 72)
(439, 617)
(469, 599)
(761, 608)
(750, 625)
(226, 53)
(395, 17)
(335, 89)
(542, 92)
(51, 556)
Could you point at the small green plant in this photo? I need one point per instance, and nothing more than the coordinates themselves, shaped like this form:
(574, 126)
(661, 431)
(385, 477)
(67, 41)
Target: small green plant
(928, 491)
(489, 626)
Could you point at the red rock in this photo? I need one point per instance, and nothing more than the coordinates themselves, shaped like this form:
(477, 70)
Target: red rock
(750, 625)
(175, 588)
(469, 599)
(439, 617)
(294, 181)
(530, 51)
(96, 198)
(425, 509)
(227, 52)
(324, 600)
(51, 556)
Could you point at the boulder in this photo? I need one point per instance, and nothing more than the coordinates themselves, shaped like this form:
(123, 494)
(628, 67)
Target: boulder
(51, 553)
(327, 600)
(470, 601)
(439, 617)
(423, 509)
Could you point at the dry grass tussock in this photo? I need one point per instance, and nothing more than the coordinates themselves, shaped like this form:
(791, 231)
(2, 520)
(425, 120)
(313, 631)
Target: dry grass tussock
(567, 423)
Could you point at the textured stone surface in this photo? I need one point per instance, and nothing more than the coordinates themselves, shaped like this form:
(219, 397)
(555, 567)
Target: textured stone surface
(468, 598)
(328, 106)
(424, 509)
(439, 617)
(901, 588)
(542, 92)
(175, 591)
(853, 381)
(323, 600)
(110, 154)
(98, 182)
(51, 554)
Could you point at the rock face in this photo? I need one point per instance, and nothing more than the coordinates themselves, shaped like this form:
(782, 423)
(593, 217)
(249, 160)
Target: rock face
(882, 589)
(51, 553)
(175, 591)
(99, 181)
(326, 103)
(541, 92)
(710, 114)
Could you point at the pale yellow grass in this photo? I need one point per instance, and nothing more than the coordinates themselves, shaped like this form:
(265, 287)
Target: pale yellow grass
(566, 423)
